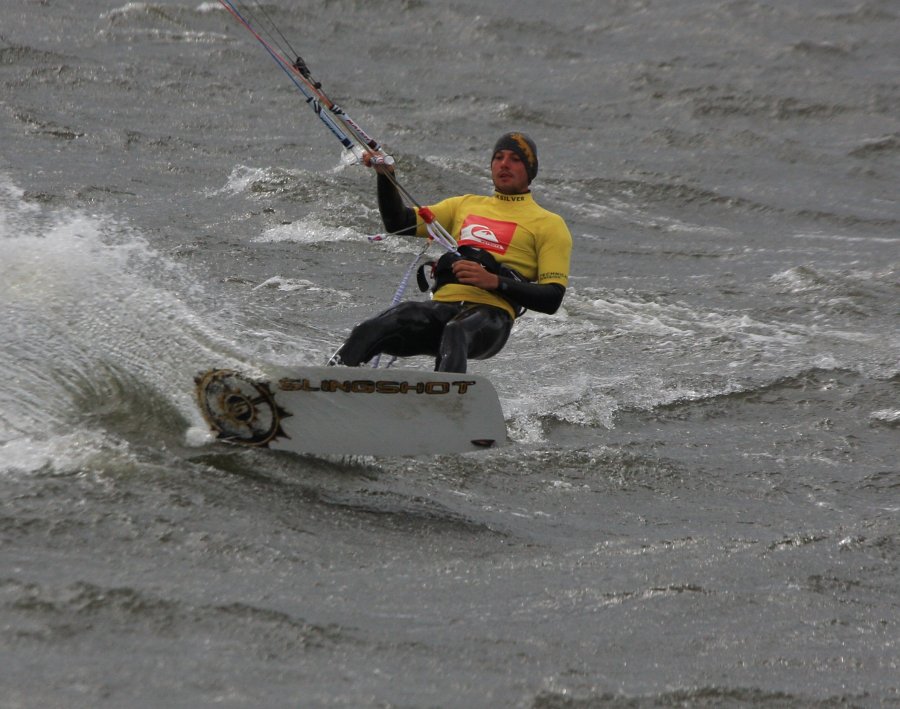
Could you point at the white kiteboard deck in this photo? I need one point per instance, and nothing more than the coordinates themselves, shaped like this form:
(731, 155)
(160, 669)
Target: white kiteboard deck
(353, 411)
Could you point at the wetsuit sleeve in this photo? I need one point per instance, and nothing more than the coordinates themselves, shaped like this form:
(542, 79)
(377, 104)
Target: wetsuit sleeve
(541, 297)
(397, 217)
(554, 253)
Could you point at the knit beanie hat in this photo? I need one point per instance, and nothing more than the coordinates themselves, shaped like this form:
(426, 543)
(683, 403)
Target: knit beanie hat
(524, 147)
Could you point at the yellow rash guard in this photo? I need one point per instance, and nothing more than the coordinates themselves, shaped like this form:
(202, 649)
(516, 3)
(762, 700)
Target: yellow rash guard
(515, 229)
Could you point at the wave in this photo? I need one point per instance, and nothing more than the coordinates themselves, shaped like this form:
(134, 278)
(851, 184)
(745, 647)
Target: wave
(84, 608)
(636, 201)
(161, 21)
(707, 354)
(650, 190)
(886, 146)
(864, 12)
(17, 54)
(830, 292)
(835, 392)
(749, 105)
(98, 331)
(704, 696)
(47, 128)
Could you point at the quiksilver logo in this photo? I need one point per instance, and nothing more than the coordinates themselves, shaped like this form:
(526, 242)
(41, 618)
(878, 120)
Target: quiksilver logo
(511, 197)
(375, 386)
(479, 233)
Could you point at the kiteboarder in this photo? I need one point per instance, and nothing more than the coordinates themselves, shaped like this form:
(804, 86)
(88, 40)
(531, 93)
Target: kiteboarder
(512, 256)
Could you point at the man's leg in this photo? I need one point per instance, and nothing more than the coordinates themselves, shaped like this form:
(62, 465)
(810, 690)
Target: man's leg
(408, 329)
(478, 332)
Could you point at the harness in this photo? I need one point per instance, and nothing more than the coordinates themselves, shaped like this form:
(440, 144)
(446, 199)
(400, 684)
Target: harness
(442, 271)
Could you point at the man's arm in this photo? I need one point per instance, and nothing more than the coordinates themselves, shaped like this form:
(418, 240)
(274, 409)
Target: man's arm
(397, 217)
(540, 297)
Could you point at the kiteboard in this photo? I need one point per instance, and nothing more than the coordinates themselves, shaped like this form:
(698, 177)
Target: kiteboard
(353, 411)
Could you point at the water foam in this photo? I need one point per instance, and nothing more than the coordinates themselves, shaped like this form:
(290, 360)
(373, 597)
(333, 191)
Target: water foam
(93, 318)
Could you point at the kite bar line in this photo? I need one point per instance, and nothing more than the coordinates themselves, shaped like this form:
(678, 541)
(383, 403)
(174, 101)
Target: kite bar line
(360, 144)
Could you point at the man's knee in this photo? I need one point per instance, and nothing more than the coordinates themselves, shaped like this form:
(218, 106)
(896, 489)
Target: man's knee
(454, 348)
(455, 332)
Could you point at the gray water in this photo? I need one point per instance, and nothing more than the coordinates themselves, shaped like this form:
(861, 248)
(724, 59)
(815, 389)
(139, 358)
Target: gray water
(699, 503)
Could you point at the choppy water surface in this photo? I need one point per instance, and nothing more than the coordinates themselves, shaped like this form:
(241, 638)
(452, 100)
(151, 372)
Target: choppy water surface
(700, 502)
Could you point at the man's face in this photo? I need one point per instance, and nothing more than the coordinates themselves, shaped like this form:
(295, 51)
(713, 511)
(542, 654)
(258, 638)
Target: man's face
(509, 173)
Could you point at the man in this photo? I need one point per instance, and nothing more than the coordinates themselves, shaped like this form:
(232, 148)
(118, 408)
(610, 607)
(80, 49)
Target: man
(514, 255)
